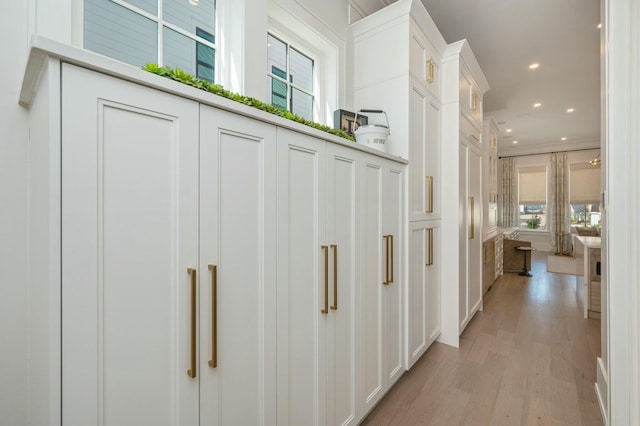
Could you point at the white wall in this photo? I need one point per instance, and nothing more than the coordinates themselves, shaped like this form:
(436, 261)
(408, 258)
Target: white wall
(13, 217)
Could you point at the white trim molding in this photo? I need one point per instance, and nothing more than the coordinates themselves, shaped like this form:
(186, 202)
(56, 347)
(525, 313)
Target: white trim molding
(622, 200)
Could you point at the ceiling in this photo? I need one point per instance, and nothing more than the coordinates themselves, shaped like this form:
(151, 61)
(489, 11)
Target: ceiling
(507, 36)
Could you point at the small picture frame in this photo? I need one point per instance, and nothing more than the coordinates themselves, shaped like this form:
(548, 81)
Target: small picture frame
(345, 120)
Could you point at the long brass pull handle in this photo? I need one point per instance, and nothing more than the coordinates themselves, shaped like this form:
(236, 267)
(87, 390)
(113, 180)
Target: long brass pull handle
(335, 277)
(473, 218)
(386, 269)
(430, 196)
(391, 255)
(474, 101)
(493, 250)
(192, 358)
(326, 279)
(430, 248)
(213, 362)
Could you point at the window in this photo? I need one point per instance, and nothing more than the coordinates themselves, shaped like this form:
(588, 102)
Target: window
(177, 33)
(532, 197)
(291, 76)
(584, 194)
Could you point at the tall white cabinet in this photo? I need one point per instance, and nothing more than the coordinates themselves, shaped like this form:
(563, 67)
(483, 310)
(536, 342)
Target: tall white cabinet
(398, 53)
(196, 262)
(490, 133)
(464, 88)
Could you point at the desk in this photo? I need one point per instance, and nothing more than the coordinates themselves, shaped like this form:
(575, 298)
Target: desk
(588, 284)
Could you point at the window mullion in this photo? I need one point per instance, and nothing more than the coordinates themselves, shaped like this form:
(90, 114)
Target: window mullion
(160, 35)
(289, 97)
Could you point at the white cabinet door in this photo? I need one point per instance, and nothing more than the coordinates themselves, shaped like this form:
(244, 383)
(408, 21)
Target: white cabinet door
(392, 301)
(303, 270)
(374, 280)
(381, 286)
(423, 298)
(464, 235)
(237, 270)
(474, 262)
(129, 233)
(342, 232)
(424, 150)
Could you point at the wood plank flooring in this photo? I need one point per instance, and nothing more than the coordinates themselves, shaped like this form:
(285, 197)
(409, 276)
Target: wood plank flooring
(528, 359)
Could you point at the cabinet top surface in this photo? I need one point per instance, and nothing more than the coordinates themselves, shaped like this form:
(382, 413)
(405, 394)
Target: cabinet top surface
(44, 49)
(589, 242)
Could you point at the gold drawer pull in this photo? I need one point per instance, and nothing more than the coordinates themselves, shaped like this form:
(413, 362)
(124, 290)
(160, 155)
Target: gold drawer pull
(431, 75)
(213, 362)
(473, 217)
(430, 246)
(430, 195)
(325, 310)
(335, 277)
(386, 269)
(192, 358)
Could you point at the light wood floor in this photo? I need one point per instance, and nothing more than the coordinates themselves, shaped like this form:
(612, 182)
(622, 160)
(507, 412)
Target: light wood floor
(528, 359)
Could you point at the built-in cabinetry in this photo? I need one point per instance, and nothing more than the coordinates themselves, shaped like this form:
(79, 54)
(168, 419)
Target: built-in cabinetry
(218, 265)
(464, 86)
(492, 250)
(490, 133)
(397, 60)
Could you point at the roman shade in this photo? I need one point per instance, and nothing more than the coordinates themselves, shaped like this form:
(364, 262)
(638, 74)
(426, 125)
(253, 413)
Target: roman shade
(584, 184)
(532, 185)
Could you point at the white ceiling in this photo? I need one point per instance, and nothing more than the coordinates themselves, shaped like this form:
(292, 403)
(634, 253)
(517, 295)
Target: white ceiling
(506, 37)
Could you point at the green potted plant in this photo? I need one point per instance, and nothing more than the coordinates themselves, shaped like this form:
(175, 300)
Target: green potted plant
(534, 222)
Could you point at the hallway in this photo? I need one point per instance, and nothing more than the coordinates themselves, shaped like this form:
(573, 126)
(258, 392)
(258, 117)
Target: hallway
(528, 359)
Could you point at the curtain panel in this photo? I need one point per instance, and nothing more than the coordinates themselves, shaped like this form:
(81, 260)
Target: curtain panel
(559, 210)
(508, 203)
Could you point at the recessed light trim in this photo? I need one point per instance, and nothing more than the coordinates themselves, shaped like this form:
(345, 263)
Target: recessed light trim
(534, 66)
(509, 130)
(570, 110)
(563, 138)
(515, 142)
(599, 26)
(537, 105)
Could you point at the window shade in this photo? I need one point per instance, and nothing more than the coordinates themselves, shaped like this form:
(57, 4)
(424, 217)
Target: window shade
(532, 185)
(584, 183)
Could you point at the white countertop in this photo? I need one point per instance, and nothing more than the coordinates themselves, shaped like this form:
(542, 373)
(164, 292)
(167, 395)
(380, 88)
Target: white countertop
(589, 242)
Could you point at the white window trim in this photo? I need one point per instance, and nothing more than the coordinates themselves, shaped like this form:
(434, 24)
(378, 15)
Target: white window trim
(304, 38)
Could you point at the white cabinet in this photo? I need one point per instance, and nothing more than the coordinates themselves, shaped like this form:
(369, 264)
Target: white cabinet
(398, 53)
(464, 87)
(381, 335)
(423, 288)
(317, 276)
(490, 133)
(237, 278)
(204, 266)
(158, 212)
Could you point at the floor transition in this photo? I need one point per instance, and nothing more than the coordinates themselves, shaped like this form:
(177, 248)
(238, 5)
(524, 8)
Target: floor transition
(528, 359)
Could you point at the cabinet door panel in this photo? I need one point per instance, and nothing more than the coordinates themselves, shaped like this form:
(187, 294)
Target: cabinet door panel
(301, 264)
(464, 236)
(237, 201)
(372, 291)
(475, 244)
(130, 231)
(392, 300)
(342, 214)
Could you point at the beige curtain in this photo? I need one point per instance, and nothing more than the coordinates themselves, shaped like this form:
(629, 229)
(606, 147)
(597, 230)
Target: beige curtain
(559, 210)
(508, 202)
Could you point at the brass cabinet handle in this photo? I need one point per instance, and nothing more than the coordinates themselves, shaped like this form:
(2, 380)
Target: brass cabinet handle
(430, 246)
(430, 196)
(430, 71)
(472, 209)
(192, 359)
(335, 277)
(386, 269)
(474, 101)
(213, 362)
(493, 249)
(326, 279)
(391, 255)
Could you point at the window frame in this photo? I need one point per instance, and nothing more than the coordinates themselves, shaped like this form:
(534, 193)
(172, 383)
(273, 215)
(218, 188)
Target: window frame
(162, 24)
(545, 204)
(291, 85)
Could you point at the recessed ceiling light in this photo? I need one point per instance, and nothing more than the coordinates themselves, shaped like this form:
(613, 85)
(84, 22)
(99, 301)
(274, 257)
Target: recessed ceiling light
(537, 105)
(534, 66)
(193, 2)
(515, 142)
(599, 26)
(570, 110)
(563, 139)
(509, 130)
